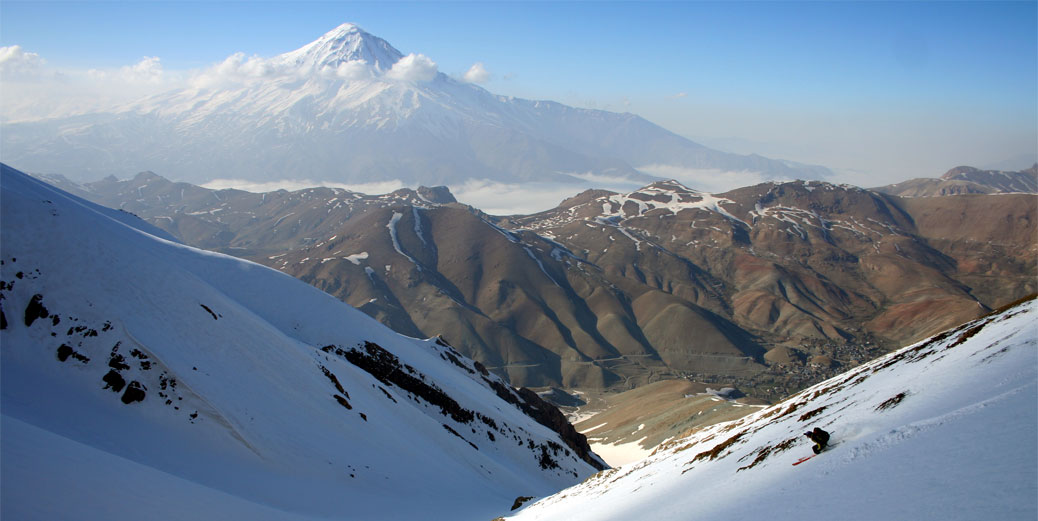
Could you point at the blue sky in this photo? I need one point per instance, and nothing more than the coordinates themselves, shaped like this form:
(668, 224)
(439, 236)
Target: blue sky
(879, 91)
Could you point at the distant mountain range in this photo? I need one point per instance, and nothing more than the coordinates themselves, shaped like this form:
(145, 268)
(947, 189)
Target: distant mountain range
(350, 108)
(151, 379)
(968, 180)
(769, 287)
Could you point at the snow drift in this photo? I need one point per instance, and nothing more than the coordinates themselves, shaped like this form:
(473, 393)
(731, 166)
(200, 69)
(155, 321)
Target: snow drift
(145, 379)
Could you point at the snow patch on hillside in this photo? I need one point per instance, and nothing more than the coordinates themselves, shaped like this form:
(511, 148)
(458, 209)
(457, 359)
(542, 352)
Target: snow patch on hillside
(396, 240)
(669, 196)
(357, 257)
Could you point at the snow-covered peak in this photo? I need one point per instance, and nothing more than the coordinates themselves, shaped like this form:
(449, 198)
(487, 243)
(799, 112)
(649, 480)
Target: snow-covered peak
(346, 43)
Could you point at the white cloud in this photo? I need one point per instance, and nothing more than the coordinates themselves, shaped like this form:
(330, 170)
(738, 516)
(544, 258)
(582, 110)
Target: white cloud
(148, 70)
(478, 73)
(493, 197)
(609, 182)
(679, 95)
(35, 90)
(413, 67)
(353, 70)
(15, 62)
(236, 68)
(498, 198)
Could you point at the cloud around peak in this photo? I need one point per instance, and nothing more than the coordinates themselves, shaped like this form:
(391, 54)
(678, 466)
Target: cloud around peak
(148, 70)
(478, 73)
(236, 68)
(413, 67)
(14, 61)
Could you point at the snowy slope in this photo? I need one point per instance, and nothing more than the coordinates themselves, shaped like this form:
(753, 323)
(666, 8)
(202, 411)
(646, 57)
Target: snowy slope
(349, 107)
(145, 379)
(941, 430)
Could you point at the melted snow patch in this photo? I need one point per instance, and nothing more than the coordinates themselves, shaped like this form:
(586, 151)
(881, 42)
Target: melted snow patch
(357, 257)
(670, 196)
(396, 240)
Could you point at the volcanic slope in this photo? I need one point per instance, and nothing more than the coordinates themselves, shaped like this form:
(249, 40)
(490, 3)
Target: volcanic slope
(350, 108)
(941, 430)
(146, 379)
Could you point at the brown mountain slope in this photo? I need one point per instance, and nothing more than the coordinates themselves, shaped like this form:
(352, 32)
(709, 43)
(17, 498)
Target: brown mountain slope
(800, 261)
(502, 297)
(993, 241)
(617, 290)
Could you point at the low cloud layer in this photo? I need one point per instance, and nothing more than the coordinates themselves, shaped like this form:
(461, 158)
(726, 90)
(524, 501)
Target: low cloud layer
(493, 197)
(707, 180)
(497, 198)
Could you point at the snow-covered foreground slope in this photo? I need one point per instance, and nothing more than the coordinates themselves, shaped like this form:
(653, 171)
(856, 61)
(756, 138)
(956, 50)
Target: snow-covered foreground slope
(941, 430)
(143, 379)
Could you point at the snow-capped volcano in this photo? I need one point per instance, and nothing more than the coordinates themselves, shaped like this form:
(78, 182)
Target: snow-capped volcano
(346, 43)
(349, 107)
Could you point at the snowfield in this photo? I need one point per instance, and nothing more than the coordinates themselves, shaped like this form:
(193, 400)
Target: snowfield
(143, 379)
(946, 429)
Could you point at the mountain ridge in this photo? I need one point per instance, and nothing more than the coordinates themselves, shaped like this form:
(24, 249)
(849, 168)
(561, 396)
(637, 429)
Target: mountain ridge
(782, 282)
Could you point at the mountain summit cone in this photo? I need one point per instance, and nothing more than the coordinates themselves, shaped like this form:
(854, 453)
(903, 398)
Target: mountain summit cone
(346, 43)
